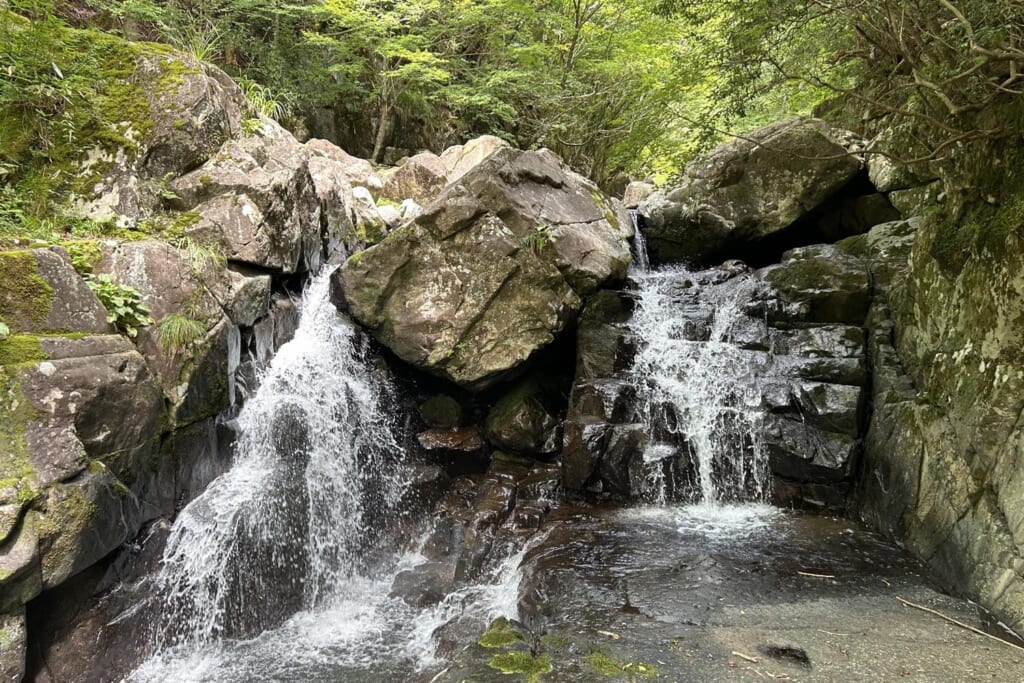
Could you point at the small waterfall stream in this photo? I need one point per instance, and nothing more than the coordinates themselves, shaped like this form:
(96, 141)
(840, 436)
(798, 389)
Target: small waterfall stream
(698, 390)
(281, 569)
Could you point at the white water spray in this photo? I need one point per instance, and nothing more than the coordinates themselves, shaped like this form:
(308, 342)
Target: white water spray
(699, 391)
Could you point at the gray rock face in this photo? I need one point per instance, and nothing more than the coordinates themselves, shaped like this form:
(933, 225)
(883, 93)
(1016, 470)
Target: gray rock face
(81, 440)
(194, 374)
(636, 192)
(520, 422)
(750, 189)
(268, 201)
(798, 335)
(194, 108)
(492, 270)
(12, 646)
(41, 293)
(943, 452)
(420, 178)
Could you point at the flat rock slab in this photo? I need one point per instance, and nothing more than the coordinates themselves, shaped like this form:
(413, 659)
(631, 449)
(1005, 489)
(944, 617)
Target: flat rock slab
(666, 595)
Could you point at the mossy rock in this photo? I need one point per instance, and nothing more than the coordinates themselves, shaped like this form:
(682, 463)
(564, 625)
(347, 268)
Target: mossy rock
(40, 292)
(441, 411)
(831, 285)
(499, 634)
(25, 297)
(17, 484)
(131, 113)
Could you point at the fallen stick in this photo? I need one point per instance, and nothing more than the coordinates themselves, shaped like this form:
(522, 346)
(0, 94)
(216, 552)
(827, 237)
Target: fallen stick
(958, 623)
(817, 576)
(755, 660)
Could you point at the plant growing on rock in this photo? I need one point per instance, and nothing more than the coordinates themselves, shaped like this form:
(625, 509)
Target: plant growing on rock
(538, 238)
(179, 332)
(123, 303)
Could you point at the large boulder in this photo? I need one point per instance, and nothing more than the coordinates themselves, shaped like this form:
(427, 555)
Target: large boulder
(521, 422)
(460, 159)
(492, 271)
(420, 178)
(268, 201)
(192, 109)
(197, 306)
(944, 465)
(750, 189)
(40, 292)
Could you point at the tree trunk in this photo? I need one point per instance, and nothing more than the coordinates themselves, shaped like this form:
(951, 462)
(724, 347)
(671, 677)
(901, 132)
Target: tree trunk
(384, 118)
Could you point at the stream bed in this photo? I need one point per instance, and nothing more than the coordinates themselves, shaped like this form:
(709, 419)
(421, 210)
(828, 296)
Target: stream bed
(700, 594)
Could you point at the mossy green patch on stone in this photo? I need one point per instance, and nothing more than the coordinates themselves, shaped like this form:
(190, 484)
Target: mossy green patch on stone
(19, 349)
(499, 634)
(854, 246)
(531, 667)
(603, 664)
(85, 254)
(16, 412)
(61, 151)
(69, 512)
(25, 297)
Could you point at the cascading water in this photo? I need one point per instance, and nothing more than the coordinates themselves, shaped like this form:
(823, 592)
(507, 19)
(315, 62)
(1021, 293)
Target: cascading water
(698, 390)
(277, 570)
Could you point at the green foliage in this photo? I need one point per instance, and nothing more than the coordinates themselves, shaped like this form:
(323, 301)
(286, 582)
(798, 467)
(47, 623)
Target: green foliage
(537, 239)
(5, 331)
(264, 102)
(200, 255)
(123, 303)
(85, 254)
(179, 332)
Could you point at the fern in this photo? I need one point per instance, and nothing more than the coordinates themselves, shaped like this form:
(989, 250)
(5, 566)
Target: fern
(179, 332)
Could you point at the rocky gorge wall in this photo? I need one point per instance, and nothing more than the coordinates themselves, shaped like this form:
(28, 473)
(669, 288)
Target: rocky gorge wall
(497, 280)
(943, 471)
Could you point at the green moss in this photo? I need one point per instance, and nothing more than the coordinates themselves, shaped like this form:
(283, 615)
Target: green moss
(85, 254)
(170, 226)
(205, 180)
(854, 246)
(603, 664)
(21, 348)
(69, 513)
(25, 297)
(103, 108)
(499, 634)
(371, 232)
(16, 412)
(529, 666)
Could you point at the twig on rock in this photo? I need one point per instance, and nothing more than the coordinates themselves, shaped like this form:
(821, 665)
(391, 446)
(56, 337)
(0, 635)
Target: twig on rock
(958, 623)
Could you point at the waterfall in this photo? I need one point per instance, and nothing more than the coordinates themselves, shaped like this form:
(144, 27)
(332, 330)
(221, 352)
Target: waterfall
(699, 392)
(641, 262)
(282, 568)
